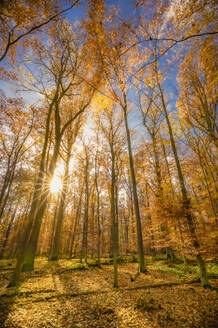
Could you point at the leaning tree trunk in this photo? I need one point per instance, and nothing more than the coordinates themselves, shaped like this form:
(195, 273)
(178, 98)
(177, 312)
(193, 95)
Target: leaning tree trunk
(30, 250)
(186, 201)
(25, 260)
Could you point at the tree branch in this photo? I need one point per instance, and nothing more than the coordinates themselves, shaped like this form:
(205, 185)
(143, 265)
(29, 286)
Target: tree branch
(10, 43)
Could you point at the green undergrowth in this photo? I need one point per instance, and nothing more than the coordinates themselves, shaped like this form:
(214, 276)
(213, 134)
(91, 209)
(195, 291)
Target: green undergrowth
(184, 271)
(157, 263)
(6, 264)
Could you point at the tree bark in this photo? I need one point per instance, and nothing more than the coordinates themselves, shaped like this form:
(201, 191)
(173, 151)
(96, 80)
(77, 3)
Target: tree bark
(135, 195)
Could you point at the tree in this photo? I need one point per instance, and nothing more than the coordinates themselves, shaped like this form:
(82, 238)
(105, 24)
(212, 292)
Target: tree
(22, 18)
(71, 135)
(61, 66)
(110, 123)
(13, 138)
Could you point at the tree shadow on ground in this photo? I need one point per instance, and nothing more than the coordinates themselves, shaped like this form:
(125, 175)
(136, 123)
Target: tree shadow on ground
(90, 311)
(7, 300)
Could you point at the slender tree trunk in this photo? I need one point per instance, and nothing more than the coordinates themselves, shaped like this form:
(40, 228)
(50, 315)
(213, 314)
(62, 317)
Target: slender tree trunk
(208, 189)
(4, 187)
(74, 229)
(32, 241)
(19, 232)
(117, 217)
(9, 229)
(73, 233)
(150, 221)
(60, 213)
(135, 195)
(53, 229)
(114, 216)
(98, 224)
(168, 169)
(7, 192)
(29, 245)
(86, 214)
(186, 201)
(157, 168)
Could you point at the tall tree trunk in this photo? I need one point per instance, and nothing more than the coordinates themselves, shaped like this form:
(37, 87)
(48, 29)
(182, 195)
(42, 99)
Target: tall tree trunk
(135, 195)
(98, 224)
(31, 247)
(86, 214)
(38, 206)
(186, 201)
(114, 216)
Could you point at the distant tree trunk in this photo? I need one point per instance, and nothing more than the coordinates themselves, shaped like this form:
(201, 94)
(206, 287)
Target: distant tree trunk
(153, 250)
(117, 216)
(98, 223)
(92, 225)
(132, 219)
(157, 167)
(74, 227)
(86, 213)
(9, 229)
(54, 223)
(126, 233)
(168, 169)
(208, 189)
(60, 213)
(6, 188)
(113, 215)
(19, 232)
(135, 195)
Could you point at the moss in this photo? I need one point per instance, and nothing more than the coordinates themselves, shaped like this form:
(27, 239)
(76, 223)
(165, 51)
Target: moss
(180, 270)
(161, 257)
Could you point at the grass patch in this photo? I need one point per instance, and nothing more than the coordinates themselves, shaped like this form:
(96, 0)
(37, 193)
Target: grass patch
(179, 270)
(6, 264)
(185, 271)
(160, 257)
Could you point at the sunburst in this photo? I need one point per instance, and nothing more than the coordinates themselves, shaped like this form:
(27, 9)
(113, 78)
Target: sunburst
(55, 184)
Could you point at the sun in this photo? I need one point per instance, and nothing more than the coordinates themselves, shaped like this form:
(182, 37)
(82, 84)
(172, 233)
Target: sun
(55, 185)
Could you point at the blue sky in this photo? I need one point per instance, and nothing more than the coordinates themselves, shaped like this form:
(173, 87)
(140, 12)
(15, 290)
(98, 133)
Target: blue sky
(76, 14)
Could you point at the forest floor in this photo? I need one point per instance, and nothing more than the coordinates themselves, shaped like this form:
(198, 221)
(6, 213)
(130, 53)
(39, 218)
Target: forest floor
(66, 294)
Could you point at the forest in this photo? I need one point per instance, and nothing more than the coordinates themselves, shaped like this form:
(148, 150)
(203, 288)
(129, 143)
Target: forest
(108, 163)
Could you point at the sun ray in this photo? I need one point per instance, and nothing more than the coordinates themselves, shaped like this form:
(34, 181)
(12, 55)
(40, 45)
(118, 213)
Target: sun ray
(55, 185)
